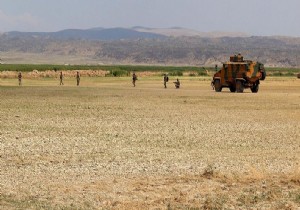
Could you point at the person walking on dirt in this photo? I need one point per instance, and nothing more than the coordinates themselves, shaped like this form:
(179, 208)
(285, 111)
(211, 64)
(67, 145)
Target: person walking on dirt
(61, 77)
(166, 79)
(20, 78)
(78, 78)
(134, 79)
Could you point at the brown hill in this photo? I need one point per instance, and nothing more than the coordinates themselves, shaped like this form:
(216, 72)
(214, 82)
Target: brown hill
(193, 50)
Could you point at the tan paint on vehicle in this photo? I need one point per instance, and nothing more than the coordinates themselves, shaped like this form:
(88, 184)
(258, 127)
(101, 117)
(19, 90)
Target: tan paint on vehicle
(239, 70)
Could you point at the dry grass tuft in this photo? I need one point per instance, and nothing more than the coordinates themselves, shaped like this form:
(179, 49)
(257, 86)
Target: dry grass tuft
(295, 176)
(253, 175)
(209, 171)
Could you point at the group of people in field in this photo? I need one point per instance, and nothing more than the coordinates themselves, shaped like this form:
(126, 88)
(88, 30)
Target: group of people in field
(61, 78)
(166, 79)
(134, 79)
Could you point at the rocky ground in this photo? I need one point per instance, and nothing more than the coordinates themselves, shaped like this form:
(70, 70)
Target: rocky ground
(107, 145)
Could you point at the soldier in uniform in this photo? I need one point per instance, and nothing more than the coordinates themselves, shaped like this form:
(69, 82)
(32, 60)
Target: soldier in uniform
(20, 78)
(166, 79)
(134, 79)
(78, 78)
(177, 83)
(61, 77)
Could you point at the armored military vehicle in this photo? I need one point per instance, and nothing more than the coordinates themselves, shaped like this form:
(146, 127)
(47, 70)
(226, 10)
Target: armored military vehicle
(238, 74)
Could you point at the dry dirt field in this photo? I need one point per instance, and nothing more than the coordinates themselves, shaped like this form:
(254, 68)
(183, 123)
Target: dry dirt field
(107, 145)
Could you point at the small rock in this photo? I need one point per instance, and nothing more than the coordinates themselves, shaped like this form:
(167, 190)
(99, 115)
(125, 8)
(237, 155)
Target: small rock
(223, 187)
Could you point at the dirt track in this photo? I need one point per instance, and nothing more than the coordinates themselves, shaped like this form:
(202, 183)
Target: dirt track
(108, 145)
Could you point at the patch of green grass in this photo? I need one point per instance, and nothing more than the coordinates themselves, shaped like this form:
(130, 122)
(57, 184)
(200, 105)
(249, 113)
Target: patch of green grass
(274, 69)
(202, 73)
(124, 70)
(192, 74)
(9, 201)
(215, 202)
(117, 73)
(297, 197)
(176, 73)
(30, 202)
(183, 207)
(283, 72)
(128, 68)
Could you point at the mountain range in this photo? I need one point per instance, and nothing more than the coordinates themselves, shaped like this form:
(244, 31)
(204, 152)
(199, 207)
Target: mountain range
(146, 46)
(89, 34)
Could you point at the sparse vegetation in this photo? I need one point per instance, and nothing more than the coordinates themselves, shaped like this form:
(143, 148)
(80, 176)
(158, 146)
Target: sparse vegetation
(45, 67)
(209, 171)
(176, 73)
(215, 202)
(202, 73)
(12, 202)
(108, 145)
(297, 197)
(124, 70)
(117, 73)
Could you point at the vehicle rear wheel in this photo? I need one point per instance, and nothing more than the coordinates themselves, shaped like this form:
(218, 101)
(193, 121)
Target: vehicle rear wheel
(254, 88)
(232, 89)
(239, 86)
(218, 87)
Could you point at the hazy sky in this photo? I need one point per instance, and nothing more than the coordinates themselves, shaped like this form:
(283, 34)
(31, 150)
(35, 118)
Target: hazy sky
(254, 17)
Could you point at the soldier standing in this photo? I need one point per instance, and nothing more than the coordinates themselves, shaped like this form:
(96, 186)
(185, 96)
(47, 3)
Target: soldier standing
(20, 78)
(78, 78)
(61, 77)
(134, 79)
(166, 79)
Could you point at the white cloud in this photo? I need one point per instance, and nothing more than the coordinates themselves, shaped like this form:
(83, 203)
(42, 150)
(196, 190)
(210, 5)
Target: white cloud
(22, 22)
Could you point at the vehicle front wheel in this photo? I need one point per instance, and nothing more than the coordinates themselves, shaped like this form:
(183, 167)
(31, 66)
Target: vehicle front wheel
(232, 89)
(254, 88)
(218, 87)
(239, 86)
